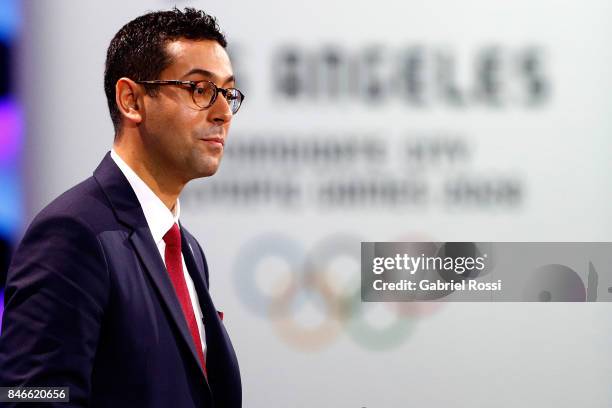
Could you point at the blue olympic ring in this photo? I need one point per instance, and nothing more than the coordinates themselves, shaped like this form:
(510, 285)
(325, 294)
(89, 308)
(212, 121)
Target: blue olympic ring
(253, 252)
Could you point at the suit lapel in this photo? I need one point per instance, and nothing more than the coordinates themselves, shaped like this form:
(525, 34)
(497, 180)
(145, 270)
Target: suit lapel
(128, 210)
(221, 363)
(149, 256)
(211, 319)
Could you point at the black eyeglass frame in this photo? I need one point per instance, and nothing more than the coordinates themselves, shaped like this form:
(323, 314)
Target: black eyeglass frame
(193, 85)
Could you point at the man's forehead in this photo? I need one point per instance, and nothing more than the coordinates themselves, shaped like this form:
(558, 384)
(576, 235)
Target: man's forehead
(205, 58)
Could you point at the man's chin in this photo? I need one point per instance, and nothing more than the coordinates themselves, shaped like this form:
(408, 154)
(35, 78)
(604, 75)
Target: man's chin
(208, 169)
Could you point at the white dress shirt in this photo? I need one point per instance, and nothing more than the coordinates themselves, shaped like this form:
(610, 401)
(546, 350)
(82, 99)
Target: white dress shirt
(160, 219)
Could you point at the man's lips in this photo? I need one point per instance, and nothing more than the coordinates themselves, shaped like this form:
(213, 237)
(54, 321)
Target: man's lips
(219, 140)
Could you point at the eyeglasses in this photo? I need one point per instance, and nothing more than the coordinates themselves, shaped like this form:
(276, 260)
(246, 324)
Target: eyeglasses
(204, 93)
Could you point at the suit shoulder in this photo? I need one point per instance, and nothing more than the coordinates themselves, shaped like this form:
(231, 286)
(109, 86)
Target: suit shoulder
(84, 203)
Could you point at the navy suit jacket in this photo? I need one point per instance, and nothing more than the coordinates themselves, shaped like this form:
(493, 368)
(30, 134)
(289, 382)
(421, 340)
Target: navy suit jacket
(89, 305)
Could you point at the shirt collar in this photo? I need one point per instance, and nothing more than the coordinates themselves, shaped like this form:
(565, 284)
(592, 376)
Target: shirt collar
(159, 218)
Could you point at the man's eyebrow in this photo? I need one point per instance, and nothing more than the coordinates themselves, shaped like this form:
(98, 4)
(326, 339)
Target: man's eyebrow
(210, 75)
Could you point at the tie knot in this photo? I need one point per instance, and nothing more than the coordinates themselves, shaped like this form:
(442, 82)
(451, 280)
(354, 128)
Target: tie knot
(173, 236)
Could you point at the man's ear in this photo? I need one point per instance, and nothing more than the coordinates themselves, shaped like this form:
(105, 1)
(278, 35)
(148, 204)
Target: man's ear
(127, 96)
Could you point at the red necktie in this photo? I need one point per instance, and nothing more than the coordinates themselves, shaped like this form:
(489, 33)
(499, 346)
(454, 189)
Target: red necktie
(174, 264)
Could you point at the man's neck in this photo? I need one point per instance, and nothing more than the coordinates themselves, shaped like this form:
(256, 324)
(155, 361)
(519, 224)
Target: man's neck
(155, 178)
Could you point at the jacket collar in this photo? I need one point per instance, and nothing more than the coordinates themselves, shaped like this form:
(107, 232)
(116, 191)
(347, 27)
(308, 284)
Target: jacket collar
(119, 193)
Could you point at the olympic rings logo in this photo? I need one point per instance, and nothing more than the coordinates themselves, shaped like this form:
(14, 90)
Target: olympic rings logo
(313, 280)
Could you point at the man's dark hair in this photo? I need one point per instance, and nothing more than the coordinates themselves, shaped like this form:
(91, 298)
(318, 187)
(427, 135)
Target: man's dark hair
(138, 49)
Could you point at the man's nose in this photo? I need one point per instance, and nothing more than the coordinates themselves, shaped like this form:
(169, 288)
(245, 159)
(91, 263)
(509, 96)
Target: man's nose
(220, 112)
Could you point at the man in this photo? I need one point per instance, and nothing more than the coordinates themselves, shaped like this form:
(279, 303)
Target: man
(107, 293)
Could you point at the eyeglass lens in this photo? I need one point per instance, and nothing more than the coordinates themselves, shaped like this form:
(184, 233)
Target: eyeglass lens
(205, 92)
